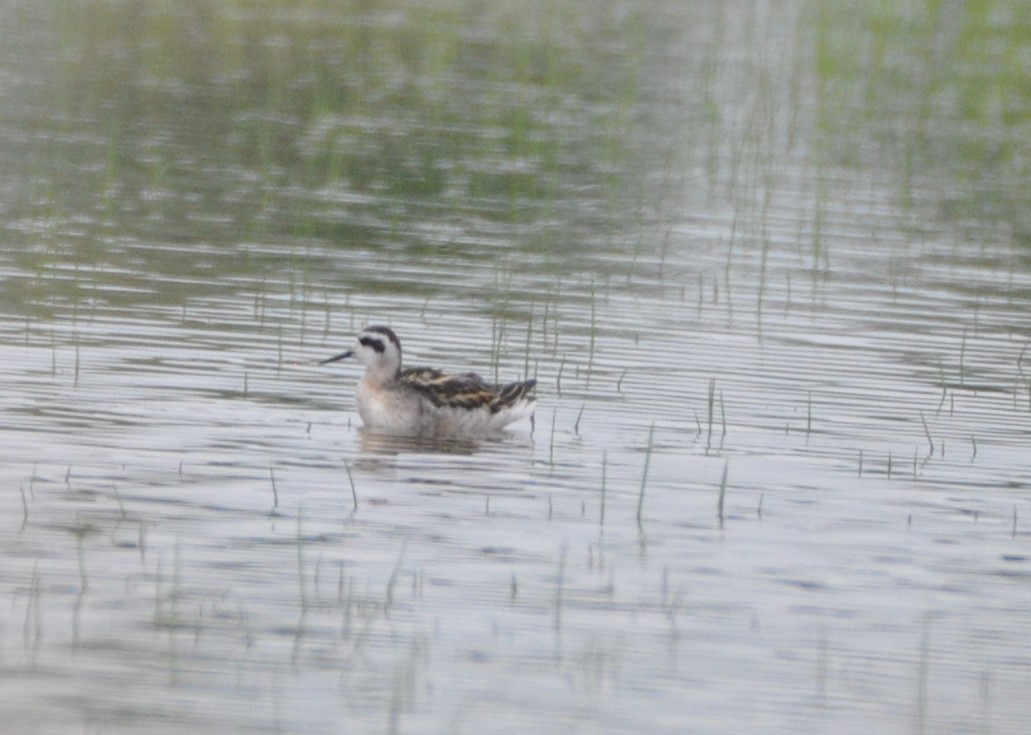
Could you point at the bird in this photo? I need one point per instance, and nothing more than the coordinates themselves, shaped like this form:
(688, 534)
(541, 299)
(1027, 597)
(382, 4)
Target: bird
(423, 401)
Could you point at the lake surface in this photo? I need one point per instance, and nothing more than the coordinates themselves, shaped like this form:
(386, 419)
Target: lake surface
(771, 269)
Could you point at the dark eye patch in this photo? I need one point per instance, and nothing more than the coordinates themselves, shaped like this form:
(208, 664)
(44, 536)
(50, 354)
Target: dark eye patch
(376, 344)
(386, 332)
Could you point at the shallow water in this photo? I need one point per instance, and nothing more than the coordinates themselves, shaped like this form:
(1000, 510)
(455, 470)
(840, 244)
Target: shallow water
(778, 478)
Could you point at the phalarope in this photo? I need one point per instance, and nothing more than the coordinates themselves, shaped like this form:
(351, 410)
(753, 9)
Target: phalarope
(425, 401)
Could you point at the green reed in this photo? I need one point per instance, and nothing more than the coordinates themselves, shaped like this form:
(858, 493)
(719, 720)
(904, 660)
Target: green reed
(299, 545)
(529, 343)
(24, 508)
(711, 403)
(927, 433)
(551, 441)
(579, 415)
(722, 494)
(354, 492)
(80, 557)
(593, 334)
(644, 474)
(962, 356)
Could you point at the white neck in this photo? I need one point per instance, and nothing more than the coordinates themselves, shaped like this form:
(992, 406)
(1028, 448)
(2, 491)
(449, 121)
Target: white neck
(381, 372)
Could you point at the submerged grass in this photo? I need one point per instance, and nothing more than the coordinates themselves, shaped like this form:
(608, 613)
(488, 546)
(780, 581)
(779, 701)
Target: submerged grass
(560, 583)
(32, 628)
(395, 574)
(302, 587)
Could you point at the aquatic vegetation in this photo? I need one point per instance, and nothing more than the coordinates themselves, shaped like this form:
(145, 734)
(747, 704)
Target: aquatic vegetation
(939, 92)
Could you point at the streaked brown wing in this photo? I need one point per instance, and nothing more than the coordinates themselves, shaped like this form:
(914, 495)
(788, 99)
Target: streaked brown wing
(467, 390)
(418, 376)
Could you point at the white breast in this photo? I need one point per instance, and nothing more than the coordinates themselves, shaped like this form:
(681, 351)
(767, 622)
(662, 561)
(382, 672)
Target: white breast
(392, 412)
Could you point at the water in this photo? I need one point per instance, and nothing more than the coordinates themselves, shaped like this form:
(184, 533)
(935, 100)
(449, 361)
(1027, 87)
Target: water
(778, 477)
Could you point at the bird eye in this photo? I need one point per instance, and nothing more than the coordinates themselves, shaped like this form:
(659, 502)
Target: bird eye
(375, 344)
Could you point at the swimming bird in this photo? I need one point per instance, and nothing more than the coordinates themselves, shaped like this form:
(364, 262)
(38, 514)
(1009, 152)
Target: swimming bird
(425, 401)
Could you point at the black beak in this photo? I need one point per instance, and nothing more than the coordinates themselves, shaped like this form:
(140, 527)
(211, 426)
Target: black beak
(341, 356)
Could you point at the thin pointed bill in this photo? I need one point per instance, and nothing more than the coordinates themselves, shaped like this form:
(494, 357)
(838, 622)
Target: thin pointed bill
(341, 356)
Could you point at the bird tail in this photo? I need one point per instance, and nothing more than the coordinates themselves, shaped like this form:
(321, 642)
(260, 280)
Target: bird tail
(513, 394)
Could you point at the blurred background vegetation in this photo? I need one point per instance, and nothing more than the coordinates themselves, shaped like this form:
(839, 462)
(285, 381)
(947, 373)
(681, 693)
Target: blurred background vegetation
(344, 121)
(940, 94)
